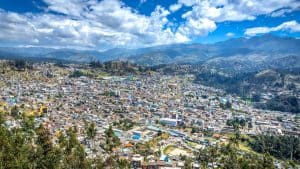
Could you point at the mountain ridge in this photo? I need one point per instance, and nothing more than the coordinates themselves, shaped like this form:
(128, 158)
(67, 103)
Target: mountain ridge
(265, 45)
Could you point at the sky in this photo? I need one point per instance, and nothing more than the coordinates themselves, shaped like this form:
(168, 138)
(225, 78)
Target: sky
(105, 24)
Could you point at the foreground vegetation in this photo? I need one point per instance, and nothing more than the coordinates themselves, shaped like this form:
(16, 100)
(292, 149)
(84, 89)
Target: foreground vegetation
(34, 147)
(253, 85)
(237, 155)
(282, 147)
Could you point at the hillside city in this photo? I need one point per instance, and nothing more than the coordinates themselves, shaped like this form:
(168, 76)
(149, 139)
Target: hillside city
(149, 84)
(157, 120)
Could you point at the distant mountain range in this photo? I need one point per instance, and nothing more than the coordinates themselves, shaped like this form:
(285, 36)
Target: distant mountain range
(265, 69)
(240, 54)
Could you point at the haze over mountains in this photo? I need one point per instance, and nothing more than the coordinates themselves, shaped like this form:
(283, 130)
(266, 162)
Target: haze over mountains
(240, 54)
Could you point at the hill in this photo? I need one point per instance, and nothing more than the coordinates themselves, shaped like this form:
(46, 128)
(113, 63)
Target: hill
(266, 50)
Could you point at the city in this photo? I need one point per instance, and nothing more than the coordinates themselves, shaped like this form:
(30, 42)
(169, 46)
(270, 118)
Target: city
(149, 84)
(139, 108)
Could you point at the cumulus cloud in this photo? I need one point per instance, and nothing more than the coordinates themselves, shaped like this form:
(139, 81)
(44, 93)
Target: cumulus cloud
(175, 7)
(89, 24)
(69, 7)
(197, 27)
(205, 14)
(111, 23)
(292, 26)
(226, 10)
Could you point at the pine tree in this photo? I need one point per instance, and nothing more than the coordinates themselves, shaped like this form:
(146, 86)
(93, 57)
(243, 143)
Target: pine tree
(47, 155)
(111, 140)
(267, 162)
(14, 112)
(74, 154)
(91, 132)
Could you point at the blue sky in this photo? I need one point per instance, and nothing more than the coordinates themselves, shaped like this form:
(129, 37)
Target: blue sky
(103, 24)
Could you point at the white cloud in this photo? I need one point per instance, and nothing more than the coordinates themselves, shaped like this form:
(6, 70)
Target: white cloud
(110, 23)
(225, 10)
(189, 2)
(230, 34)
(199, 27)
(292, 26)
(175, 7)
(68, 7)
(281, 12)
(89, 24)
(205, 14)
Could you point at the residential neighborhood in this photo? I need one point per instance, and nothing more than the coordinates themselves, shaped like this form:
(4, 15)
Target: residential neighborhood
(172, 115)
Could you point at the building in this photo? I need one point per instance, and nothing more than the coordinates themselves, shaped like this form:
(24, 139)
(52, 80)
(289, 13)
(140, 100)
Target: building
(170, 122)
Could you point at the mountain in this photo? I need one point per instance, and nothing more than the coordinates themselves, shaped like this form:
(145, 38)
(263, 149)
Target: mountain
(239, 54)
(236, 64)
(272, 89)
(49, 53)
(24, 51)
(267, 42)
(266, 46)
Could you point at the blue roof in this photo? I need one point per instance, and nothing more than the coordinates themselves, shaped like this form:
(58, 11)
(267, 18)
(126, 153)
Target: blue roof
(164, 158)
(136, 137)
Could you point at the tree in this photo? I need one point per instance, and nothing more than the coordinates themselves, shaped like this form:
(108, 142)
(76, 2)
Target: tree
(77, 159)
(230, 160)
(250, 126)
(195, 130)
(111, 140)
(47, 156)
(247, 162)
(99, 163)
(74, 154)
(76, 74)
(14, 112)
(20, 64)
(123, 164)
(18, 149)
(208, 155)
(226, 105)
(27, 124)
(91, 132)
(283, 147)
(188, 163)
(267, 162)
(2, 120)
(71, 141)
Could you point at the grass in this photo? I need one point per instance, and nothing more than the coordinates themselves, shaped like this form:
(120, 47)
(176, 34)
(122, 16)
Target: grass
(102, 74)
(245, 148)
(244, 145)
(169, 149)
(191, 144)
(154, 141)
